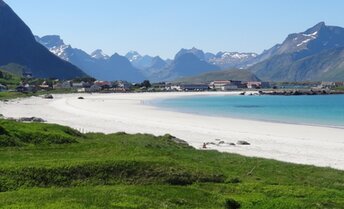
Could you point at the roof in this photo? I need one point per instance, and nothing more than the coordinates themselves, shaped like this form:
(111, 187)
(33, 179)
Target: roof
(221, 81)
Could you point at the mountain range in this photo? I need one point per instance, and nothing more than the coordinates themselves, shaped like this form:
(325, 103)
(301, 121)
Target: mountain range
(317, 54)
(229, 74)
(135, 67)
(18, 45)
(96, 64)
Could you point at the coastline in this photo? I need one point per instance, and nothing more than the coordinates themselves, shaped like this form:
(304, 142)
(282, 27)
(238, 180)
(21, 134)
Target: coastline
(157, 103)
(108, 113)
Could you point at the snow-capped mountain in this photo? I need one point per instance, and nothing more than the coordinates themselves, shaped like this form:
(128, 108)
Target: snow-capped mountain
(97, 64)
(133, 56)
(99, 54)
(151, 67)
(233, 59)
(315, 54)
(317, 38)
(139, 61)
(224, 60)
(299, 57)
(55, 45)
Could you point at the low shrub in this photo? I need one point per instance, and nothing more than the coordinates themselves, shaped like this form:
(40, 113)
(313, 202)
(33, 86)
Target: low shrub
(232, 204)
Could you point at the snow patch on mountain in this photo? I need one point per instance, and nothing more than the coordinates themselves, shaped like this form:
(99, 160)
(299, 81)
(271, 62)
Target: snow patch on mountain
(133, 56)
(310, 37)
(232, 59)
(304, 42)
(99, 54)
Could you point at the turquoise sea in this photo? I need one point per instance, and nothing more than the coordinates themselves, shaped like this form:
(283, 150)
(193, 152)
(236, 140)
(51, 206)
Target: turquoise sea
(325, 110)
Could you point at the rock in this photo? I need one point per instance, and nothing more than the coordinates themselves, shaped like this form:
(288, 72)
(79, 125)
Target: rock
(177, 140)
(243, 143)
(31, 119)
(81, 98)
(38, 120)
(48, 96)
(24, 120)
(221, 142)
(1, 116)
(232, 144)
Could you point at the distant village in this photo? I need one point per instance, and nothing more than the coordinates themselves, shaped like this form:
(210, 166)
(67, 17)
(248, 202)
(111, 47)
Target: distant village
(146, 86)
(90, 85)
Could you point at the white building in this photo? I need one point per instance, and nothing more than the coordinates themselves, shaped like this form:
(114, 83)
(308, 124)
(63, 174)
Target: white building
(225, 85)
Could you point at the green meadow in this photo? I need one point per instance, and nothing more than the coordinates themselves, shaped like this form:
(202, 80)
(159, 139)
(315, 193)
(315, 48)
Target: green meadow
(52, 166)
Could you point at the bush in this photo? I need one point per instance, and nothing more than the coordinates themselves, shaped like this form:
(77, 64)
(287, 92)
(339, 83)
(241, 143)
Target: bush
(7, 141)
(232, 204)
(73, 132)
(3, 131)
(18, 134)
(234, 180)
(44, 138)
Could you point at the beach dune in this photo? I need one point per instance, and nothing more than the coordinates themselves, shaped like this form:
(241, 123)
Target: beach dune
(131, 113)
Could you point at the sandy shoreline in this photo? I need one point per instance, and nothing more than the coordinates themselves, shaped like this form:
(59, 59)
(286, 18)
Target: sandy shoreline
(108, 113)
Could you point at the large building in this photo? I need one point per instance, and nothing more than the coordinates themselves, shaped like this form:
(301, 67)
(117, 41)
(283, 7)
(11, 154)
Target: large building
(225, 85)
(194, 87)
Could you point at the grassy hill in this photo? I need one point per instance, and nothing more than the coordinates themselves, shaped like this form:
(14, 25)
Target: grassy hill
(8, 78)
(51, 166)
(231, 74)
(14, 69)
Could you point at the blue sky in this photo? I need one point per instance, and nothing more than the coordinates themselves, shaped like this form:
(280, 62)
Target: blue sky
(162, 27)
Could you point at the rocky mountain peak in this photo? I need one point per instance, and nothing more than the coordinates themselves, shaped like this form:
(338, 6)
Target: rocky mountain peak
(316, 28)
(99, 54)
(51, 41)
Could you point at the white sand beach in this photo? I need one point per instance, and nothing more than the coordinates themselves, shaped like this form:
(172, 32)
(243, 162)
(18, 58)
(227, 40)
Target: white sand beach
(109, 113)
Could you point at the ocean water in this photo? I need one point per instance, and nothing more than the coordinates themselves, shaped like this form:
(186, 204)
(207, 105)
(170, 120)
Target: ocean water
(325, 110)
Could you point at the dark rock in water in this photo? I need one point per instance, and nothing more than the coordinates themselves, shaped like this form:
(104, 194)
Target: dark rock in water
(1, 116)
(232, 144)
(31, 119)
(48, 96)
(243, 143)
(81, 98)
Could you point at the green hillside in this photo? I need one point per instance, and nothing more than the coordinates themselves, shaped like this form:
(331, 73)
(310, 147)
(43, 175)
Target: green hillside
(8, 78)
(51, 166)
(231, 74)
(14, 69)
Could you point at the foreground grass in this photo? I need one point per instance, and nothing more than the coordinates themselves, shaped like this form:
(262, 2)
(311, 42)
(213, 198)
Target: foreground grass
(143, 171)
